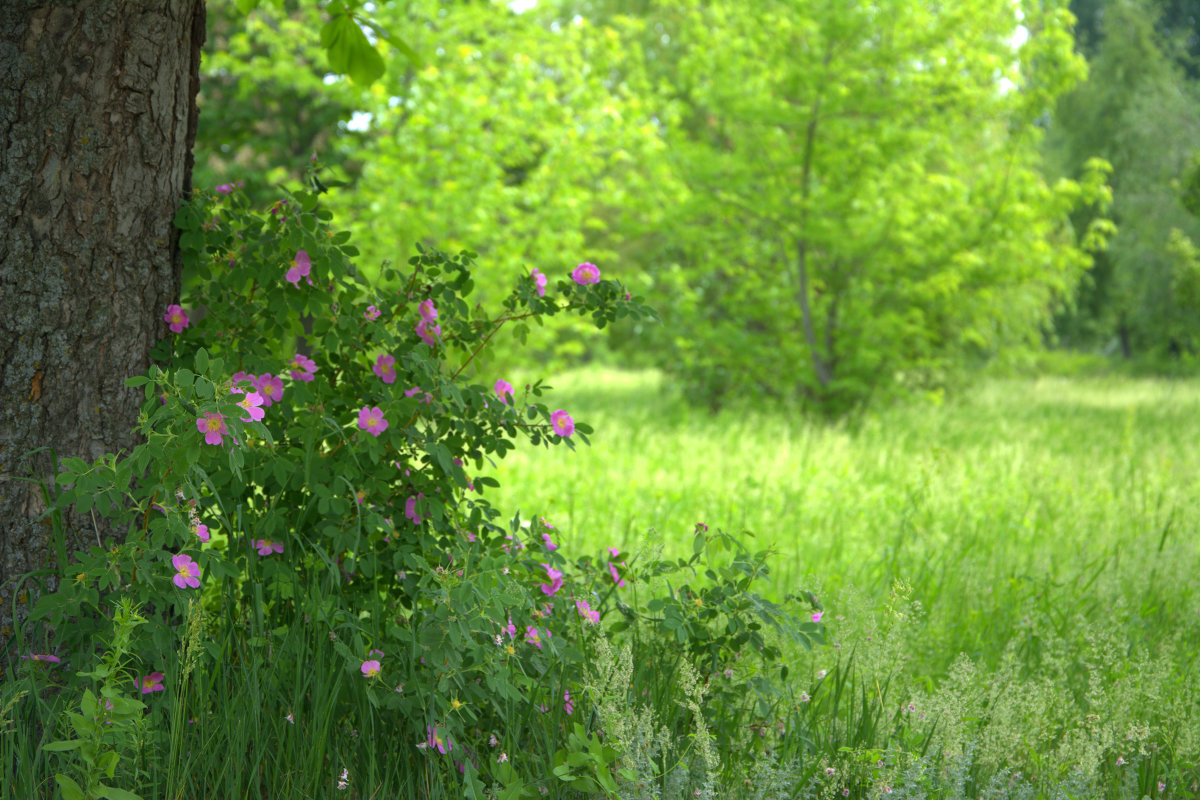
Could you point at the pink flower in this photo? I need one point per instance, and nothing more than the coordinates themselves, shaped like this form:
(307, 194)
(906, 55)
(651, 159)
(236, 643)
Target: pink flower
(371, 420)
(240, 376)
(212, 425)
(586, 273)
(301, 267)
(49, 659)
(266, 547)
(201, 531)
(585, 610)
(817, 616)
(433, 739)
(370, 668)
(511, 629)
(306, 366)
(427, 310)
(539, 281)
(225, 188)
(614, 551)
(549, 544)
(152, 683)
(503, 388)
(177, 318)
(531, 636)
(429, 334)
(410, 509)
(385, 368)
(372, 313)
(616, 576)
(568, 706)
(555, 583)
(270, 387)
(187, 572)
(562, 423)
(251, 402)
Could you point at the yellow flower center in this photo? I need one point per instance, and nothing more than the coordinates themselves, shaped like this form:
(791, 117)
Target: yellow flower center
(213, 423)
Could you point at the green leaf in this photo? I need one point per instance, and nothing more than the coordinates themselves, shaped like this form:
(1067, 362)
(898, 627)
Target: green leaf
(246, 6)
(69, 788)
(201, 361)
(349, 52)
(137, 380)
(113, 793)
(63, 746)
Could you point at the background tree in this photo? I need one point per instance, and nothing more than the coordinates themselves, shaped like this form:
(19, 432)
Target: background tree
(97, 121)
(1141, 112)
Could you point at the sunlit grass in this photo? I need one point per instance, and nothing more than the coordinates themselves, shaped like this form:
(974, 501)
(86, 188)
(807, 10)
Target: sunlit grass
(1054, 495)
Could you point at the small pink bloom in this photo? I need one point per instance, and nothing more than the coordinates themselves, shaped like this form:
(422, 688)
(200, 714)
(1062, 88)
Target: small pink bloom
(562, 424)
(49, 659)
(549, 544)
(370, 668)
(385, 368)
(177, 318)
(187, 572)
(539, 281)
(225, 188)
(239, 377)
(371, 420)
(555, 583)
(586, 273)
(568, 706)
(503, 388)
(301, 267)
(531, 636)
(152, 683)
(614, 551)
(270, 387)
(372, 313)
(410, 509)
(511, 629)
(201, 532)
(616, 576)
(585, 610)
(252, 403)
(500, 759)
(266, 547)
(438, 741)
(817, 616)
(305, 367)
(429, 333)
(427, 310)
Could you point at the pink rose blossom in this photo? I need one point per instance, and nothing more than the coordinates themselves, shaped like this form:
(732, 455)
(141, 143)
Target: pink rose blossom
(301, 267)
(252, 403)
(370, 668)
(585, 610)
(556, 581)
(212, 425)
(224, 188)
(201, 532)
(152, 683)
(427, 310)
(550, 545)
(372, 313)
(187, 572)
(504, 390)
(47, 658)
(539, 281)
(177, 318)
(429, 333)
(531, 636)
(817, 616)
(568, 706)
(270, 387)
(371, 420)
(266, 547)
(562, 423)
(616, 576)
(586, 273)
(410, 509)
(385, 368)
(305, 367)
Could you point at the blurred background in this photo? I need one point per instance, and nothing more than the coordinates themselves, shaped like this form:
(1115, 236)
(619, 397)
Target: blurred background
(832, 204)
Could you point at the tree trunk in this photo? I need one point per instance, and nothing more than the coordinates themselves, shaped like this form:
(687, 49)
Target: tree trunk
(97, 121)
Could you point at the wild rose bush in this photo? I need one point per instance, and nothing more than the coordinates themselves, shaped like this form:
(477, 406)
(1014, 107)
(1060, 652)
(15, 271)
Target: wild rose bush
(312, 457)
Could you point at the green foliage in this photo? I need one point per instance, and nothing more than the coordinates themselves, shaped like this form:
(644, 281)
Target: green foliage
(860, 202)
(337, 493)
(1139, 111)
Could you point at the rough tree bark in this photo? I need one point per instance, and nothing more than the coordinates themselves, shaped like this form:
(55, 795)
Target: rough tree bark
(97, 121)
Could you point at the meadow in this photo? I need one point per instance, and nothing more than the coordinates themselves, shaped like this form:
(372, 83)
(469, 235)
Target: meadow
(1019, 563)
(1010, 609)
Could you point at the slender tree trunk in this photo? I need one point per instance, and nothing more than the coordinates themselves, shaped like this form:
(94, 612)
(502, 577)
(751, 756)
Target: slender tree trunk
(97, 121)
